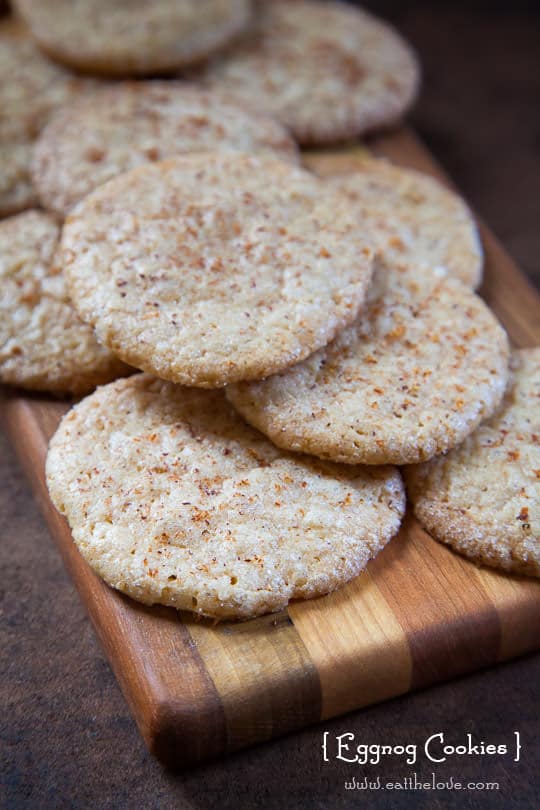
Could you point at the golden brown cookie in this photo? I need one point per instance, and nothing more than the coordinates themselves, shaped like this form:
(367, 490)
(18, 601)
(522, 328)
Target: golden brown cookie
(43, 344)
(174, 500)
(132, 37)
(418, 371)
(326, 70)
(212, 268)
(126, 125)
(483, 498)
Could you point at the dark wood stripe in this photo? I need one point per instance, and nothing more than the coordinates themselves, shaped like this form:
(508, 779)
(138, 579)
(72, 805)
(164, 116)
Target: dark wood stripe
(185, 716)
(264, 675)
(451, 625)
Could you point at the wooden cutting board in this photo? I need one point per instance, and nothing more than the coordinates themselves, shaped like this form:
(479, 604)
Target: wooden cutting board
(419, 614)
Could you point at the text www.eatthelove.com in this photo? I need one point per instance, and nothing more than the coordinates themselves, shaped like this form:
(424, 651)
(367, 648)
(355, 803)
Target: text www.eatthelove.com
(415, 782)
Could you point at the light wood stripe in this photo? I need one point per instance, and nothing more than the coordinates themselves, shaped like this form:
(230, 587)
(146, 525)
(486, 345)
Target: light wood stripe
(267, 682)
(408, 152)
(357, 645)
(450, 623)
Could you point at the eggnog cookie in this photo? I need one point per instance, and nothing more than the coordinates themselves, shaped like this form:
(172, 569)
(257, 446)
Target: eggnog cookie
(16, 190)
(483, 498)
(416, 373)
(327, 71)
(132, 37)
(212, 268)
(134, 123)
(173, 499)
(414, 219)
(43, 344)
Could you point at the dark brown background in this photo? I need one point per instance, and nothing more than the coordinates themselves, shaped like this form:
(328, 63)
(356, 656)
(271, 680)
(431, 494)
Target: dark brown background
(66, 737)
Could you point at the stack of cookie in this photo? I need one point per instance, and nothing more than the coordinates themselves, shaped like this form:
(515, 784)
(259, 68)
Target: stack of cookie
(301, 336)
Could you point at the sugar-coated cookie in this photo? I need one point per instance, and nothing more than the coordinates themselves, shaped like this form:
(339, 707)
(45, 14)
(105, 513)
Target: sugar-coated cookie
(421, 367)
(131, 123)
(212, 268)
(44, 345)
(483, 498)
(16, 189)
(174, 500)
(31, 89)
(132, 37)
(414, 219)
(326, 70)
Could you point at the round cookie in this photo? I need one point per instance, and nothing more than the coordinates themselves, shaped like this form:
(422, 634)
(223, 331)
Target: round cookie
(327, 71)
(132, 37)
(43, 344)
(483, 498)
(129, 124)
(422, 366)
(173, 499)
(212, 268)
(414, 219)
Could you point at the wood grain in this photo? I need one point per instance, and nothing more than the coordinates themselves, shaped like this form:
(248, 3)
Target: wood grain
(263, 672)
(356, 643)
(449, 621)
(418, 614)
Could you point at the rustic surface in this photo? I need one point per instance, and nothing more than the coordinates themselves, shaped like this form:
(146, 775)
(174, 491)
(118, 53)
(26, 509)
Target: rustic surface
(68, 737)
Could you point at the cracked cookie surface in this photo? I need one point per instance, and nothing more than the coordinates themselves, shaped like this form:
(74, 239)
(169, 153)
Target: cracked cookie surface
(327, 71)
(483, 498)
(422, 366)
(212, 268)
(132, 123)
(44, 345)
(173, 499)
